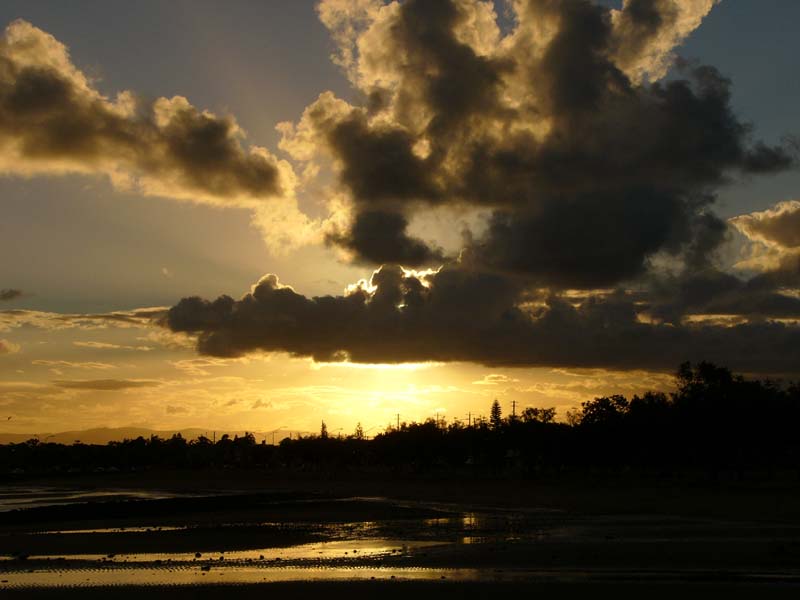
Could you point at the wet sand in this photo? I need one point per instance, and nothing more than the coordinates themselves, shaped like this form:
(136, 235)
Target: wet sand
(457, 540)
(403, 590)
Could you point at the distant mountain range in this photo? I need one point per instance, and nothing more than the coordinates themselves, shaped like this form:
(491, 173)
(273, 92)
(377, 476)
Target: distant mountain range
(103, 435)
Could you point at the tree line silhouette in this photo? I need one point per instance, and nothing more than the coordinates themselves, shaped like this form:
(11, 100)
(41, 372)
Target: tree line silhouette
(714, 421)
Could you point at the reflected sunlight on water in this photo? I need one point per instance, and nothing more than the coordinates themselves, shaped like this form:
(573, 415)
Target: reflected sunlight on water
(237, 575)
(369, 548)
(519, 545)
(243, 574)
(13, 498)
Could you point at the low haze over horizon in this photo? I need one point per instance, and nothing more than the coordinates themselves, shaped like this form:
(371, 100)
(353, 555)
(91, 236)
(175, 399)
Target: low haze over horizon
(261, 216)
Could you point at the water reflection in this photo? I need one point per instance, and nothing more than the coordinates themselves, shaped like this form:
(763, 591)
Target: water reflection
(402, 548)
(14, 498)
(341, 549)
(190, 576)
(241, 575)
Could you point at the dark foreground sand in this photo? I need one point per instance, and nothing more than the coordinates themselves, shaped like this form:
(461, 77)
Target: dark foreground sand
(446, 539)
(413, 590)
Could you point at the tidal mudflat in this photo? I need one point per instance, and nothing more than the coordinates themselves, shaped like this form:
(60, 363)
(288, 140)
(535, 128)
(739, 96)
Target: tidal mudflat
(187, 540)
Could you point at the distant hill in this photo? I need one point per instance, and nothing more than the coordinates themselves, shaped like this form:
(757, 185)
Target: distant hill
(103, 435)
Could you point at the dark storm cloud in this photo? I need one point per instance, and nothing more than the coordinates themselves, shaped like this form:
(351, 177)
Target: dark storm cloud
(575, 71)
(786, 275)
(626, 183)
(641, 21)
(105, 385)
(646, 30)
(591, 167)
(7, 295)
(377, 237)
(451, 78)
(381, 170)
(680, 138)
(703, 289)
(275, 318)
(52, 120)
(578, 242)
(379, 165)
(774, 254)
(713, 292)
(457, 315)
(708, 233)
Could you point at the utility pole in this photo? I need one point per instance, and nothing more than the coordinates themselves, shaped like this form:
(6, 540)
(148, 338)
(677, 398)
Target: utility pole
(398, 421)
(513, 409)
(469, 419)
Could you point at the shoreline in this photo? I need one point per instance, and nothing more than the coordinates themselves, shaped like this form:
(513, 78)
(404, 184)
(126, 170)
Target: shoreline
(521, 535)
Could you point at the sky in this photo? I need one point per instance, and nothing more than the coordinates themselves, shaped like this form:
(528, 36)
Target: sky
(263, 215)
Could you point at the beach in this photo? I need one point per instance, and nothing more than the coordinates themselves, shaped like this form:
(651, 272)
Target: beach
(170, 533)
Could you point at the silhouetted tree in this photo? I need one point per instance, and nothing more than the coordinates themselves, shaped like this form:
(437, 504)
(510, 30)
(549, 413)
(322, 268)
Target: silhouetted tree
(714, 422)
(538, 415)
(604, 410)
(496, 415)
